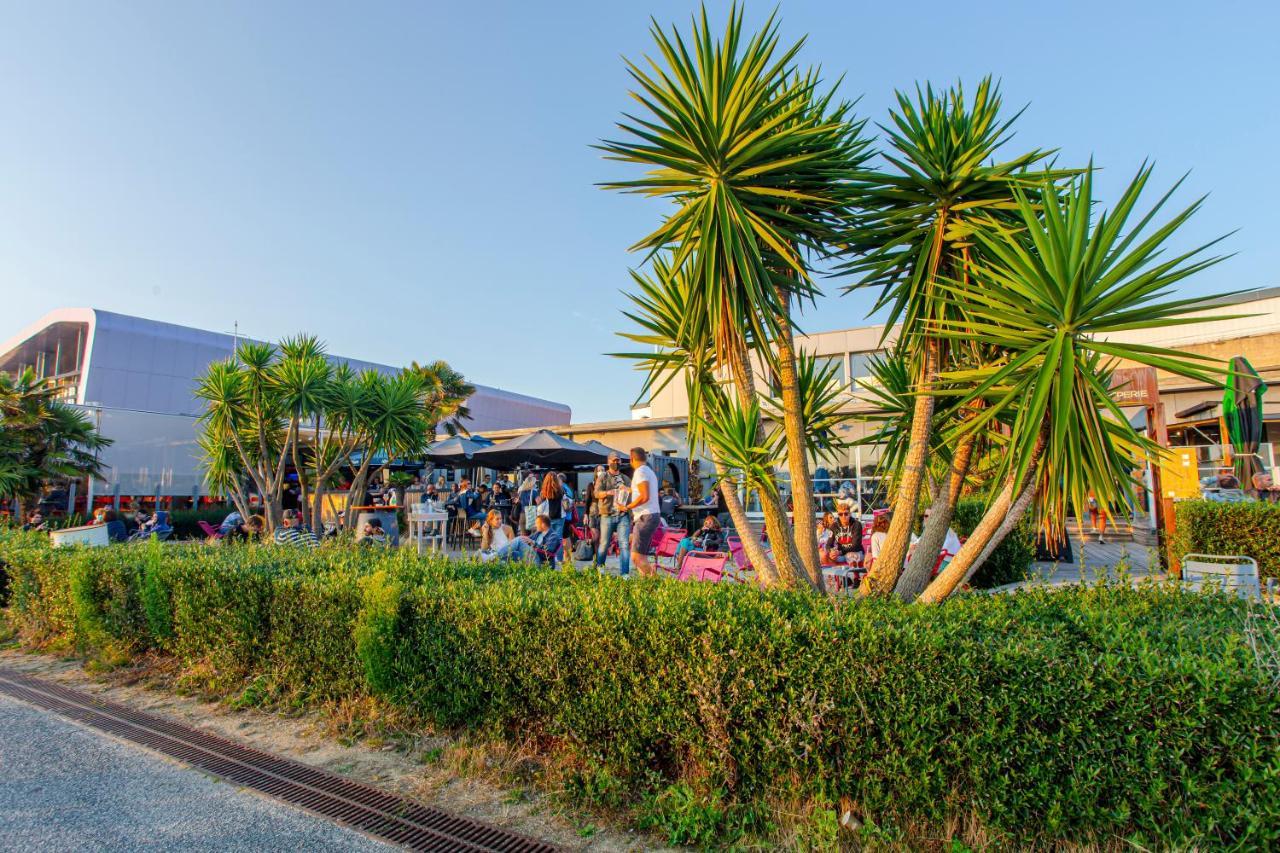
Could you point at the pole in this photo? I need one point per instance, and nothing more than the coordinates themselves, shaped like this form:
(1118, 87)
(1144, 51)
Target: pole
(1168, 517)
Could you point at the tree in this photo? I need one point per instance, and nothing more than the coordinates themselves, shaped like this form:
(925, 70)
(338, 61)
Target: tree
(1051, 289)
(759, 165)
(915, 232)
(42, 439)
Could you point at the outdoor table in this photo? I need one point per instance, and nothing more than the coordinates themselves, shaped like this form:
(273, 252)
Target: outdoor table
(694, 513)
(428, 529)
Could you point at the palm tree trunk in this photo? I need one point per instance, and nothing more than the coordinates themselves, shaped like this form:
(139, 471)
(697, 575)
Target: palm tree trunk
(785, 557)
(751, 545)
(803, 509)
(302, 487)
(916, 576)
(883, 576)
(1000, 518)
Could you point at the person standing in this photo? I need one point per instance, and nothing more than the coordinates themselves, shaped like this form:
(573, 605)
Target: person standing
(646, 512)
(611, 493)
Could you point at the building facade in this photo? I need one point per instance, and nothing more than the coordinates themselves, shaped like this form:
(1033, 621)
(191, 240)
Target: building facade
(137, 378)
(1243, 325)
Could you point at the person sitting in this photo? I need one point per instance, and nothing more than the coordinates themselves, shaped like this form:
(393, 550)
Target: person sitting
(826, 534)
(1264, 488)
(879, 533)
(35, 520)
(116, 531)
(708, 537)
(243, 530)
(1227, 479)
(669, 504)
(495, 535)
(845, 542)
(541, 548)
(374, 535)
(466, 501)
(232, 521)
(291, 532)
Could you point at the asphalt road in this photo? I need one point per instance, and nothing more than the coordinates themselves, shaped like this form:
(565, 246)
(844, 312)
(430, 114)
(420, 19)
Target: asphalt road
(67, 787)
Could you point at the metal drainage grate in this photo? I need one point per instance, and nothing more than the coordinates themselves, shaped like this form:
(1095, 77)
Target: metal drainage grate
(385, 816)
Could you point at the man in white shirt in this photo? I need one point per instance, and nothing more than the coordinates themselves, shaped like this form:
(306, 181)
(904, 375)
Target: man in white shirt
(645, 509)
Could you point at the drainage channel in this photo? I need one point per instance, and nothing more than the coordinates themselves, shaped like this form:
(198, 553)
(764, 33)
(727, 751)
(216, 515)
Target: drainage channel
(384, 816)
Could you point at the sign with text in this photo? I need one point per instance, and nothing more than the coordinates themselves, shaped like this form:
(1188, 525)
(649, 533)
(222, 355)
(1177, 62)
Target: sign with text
(1135, 386)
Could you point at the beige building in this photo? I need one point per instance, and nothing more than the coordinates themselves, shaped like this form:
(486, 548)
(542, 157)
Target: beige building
(1251, 328)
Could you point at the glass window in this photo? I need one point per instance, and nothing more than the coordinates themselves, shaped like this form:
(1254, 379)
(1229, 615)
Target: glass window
(859, 370)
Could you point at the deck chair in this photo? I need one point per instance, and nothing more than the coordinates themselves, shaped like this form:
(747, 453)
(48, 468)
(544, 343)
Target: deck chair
(1230, 573)
(209, 530)
(737, 552)
(703, 566)
(667, 547)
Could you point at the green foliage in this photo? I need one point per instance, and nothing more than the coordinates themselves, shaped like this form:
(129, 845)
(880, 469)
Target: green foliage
(1011, 559)
(1250, 529)
(186, 522)
(1044, 718)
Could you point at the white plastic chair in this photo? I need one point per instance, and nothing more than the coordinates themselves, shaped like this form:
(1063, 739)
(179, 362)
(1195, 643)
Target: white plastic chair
(1228, 572)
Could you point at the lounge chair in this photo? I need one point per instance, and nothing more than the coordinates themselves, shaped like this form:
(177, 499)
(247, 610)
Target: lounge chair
(703, 566)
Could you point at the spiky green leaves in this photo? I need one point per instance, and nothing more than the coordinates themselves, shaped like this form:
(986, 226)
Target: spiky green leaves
(756, 160)
(1051, 291)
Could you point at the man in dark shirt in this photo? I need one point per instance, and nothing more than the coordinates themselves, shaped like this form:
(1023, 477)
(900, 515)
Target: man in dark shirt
(846, 539)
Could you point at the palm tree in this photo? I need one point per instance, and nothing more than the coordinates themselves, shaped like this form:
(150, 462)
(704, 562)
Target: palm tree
(915, 232)
(1050, 290)
(392, 418)
(445, 392)
(42, 439)
(759, 165)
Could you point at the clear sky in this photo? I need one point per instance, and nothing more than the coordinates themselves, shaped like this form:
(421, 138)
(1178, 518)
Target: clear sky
(415, 181)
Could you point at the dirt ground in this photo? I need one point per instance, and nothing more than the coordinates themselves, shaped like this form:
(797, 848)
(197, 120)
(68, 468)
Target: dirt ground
(418, 767)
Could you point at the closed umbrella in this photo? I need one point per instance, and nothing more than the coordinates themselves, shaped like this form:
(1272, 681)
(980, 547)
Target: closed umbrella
(541, 449)
(1242, 411)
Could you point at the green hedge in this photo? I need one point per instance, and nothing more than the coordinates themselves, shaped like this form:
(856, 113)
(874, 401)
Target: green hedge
(713, 711)
(1012, 558)
(1251, 529)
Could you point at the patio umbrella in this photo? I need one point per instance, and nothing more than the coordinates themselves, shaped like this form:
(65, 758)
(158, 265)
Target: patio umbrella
(456, 452)
(601, 447)
(1242, 411)
(542, 449)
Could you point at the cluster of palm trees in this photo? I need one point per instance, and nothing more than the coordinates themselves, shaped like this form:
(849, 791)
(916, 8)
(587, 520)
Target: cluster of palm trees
(270, 408)
(1005, 280)
(42, 439)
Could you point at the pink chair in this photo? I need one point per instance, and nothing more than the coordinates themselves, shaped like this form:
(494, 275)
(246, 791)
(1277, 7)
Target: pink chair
(667, 547)
(737, 552)
(703, 566)
(210, 531)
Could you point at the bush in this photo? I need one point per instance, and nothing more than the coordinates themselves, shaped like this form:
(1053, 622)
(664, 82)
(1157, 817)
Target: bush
(1010, 561)
(716, 712)
(1250, 529)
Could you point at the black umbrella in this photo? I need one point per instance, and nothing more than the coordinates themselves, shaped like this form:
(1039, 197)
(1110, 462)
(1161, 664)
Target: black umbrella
(1242, 410)
(601, 447)
(456, 452)
(541, 449)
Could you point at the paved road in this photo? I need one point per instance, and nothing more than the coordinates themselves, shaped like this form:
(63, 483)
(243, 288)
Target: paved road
(66, 787)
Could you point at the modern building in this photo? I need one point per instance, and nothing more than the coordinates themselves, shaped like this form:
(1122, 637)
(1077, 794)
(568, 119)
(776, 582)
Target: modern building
(137, 378)
(1251, 328)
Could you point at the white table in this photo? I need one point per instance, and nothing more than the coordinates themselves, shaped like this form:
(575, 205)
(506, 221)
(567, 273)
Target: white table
(427, 529)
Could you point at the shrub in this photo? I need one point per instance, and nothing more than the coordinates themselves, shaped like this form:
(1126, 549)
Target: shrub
(1251, 529)
(1010, 561)
(719, 711)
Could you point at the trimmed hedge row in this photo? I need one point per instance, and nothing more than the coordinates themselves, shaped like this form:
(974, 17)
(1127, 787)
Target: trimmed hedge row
(1251, 529)
(1089, 715)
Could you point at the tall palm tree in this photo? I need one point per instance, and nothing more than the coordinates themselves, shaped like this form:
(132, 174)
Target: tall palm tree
(759, 166)
(42, 439)
(916, 232)
(1051, 289)
(445, 392)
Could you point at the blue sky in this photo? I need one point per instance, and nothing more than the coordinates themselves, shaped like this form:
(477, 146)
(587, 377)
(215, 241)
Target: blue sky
(415, 181)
